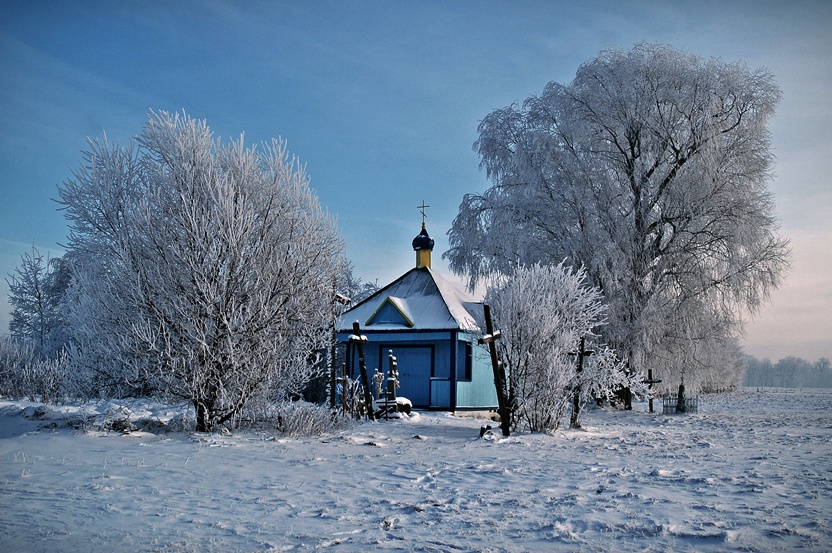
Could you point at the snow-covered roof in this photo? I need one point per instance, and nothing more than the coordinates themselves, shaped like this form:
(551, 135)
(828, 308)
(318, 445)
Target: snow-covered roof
(421, 299)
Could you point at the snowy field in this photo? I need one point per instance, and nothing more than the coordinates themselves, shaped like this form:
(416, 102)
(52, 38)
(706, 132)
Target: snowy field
(751, 472)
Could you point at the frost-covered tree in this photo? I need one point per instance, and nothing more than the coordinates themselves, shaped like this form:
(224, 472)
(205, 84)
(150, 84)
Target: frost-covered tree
(543, 311)
(650, 169)
(203, 270)
(36, 292)
(354, 288)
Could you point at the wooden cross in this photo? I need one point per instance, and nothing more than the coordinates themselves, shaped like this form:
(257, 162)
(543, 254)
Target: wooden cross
(392, 383)
(359, 340)
(650, 381)
(422, 209)
(490, 337)
(576, 398)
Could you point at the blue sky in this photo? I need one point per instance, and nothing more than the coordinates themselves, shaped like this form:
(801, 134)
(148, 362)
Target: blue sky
(381, 101)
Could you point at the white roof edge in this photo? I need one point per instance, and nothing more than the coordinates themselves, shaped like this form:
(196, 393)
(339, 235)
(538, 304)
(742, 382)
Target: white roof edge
(456, 300)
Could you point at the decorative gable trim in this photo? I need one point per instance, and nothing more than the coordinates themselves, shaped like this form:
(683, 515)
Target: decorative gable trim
(398, 309)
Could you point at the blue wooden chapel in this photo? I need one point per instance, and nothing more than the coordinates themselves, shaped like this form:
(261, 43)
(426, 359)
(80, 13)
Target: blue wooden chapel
(432, 329)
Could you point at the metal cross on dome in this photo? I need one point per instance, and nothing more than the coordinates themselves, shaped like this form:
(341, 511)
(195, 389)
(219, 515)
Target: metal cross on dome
(422, 209)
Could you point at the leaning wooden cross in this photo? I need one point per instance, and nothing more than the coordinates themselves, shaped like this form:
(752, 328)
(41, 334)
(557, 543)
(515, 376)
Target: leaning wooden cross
(359, 341)
(499, 372)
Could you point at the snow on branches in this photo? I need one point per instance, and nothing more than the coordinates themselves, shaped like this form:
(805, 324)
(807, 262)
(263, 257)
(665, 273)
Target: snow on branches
(543, 311)
(203, 270)
(650, 169)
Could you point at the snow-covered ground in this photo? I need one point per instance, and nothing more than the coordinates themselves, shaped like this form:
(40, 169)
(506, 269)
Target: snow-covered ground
(751, 472)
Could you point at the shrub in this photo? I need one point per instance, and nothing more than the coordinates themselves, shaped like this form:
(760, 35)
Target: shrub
(26, 374)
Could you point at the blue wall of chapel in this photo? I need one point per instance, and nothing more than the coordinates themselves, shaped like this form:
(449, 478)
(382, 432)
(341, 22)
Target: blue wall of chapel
(474, 375)
(479, 391)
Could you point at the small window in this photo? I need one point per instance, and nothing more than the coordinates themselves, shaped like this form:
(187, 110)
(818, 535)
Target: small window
(464, 362)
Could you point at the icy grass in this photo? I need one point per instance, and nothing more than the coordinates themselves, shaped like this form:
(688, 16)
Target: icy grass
(750, 472)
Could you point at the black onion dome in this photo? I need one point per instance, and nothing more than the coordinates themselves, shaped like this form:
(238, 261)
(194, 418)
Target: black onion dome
(423, 241)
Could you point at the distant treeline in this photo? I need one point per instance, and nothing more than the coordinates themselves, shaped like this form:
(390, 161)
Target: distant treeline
(789, 372)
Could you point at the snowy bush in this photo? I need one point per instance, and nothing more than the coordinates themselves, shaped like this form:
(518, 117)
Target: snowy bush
(542, 313)
(25, 374)
(605, 374)
(301, 418)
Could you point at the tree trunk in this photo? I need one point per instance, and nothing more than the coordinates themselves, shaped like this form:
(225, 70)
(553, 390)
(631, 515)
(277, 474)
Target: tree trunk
(203, 415)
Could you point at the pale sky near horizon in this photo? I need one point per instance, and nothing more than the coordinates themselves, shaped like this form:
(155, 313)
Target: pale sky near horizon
(381, 101)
